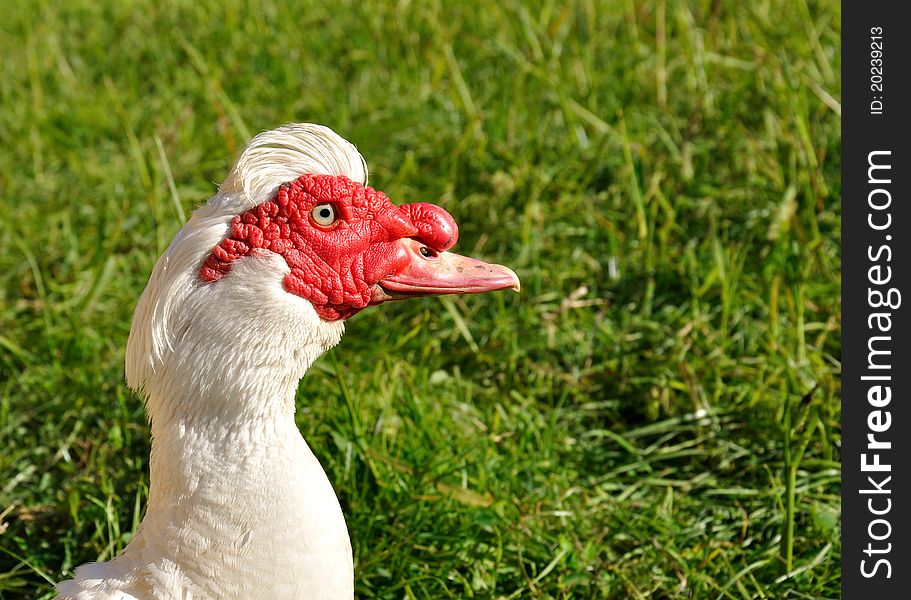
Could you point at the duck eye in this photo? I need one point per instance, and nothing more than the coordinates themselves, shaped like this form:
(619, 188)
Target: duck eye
(324, 214)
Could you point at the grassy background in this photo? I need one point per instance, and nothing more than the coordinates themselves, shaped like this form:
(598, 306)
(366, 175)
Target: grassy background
(654, 416)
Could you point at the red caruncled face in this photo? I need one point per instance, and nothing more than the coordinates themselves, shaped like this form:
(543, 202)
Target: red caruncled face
(339, 238)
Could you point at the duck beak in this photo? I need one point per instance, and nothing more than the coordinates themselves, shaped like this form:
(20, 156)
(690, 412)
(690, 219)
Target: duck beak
(430, 273)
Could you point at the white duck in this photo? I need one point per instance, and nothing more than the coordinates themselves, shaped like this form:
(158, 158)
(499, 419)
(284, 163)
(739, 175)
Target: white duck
(251, 291)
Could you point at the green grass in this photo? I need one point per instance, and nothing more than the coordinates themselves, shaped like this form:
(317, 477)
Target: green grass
(656, 415)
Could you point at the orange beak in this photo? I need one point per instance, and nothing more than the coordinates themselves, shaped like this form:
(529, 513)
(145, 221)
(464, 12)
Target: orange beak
(431, 273)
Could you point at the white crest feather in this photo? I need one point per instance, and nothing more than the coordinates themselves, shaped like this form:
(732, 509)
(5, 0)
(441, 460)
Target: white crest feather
(278, 156)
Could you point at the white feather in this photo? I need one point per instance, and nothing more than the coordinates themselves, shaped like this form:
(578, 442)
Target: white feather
(238, 506)
(275, 157)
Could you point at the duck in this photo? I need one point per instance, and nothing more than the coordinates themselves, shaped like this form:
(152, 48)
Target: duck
(252, 290)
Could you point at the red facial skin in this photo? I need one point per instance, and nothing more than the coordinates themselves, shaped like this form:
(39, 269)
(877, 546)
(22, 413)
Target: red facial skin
(338, 266)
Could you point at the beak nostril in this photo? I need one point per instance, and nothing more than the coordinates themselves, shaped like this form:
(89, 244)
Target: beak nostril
(427, 252)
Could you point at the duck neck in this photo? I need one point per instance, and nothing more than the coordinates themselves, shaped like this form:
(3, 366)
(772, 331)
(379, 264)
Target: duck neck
(234, 488)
